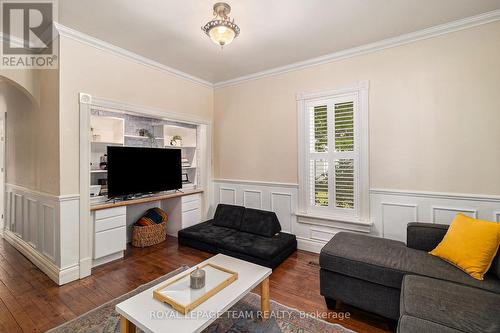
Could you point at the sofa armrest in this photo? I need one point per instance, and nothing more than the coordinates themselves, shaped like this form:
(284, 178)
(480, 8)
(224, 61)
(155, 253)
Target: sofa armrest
(424, 236)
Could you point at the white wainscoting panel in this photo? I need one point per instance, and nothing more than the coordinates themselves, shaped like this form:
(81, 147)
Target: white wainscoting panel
(47, 219)
(34, 228)
(31, 220)
(445, 215)
(252, 199)
(394, 215)
(279, 198)
(390, 210)
(227, 195)
(282, 205)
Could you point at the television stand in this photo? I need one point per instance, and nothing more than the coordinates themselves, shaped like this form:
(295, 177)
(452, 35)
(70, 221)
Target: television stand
(112, 220)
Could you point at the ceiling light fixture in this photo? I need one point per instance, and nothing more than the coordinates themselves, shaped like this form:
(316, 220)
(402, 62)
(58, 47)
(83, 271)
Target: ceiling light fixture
(221, 30)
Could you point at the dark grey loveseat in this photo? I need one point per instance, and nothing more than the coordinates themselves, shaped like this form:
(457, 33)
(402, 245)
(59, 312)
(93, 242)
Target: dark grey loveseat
(403, 282)
(249, 234)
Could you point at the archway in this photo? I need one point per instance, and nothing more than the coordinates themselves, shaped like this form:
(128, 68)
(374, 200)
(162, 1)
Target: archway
(18, 139)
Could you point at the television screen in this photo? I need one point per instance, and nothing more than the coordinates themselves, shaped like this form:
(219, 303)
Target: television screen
(133, 170)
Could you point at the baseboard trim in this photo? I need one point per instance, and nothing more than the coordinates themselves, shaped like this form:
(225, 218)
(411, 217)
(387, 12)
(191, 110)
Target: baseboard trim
(308, 245)
(44, 264)
(106, 259)
(69, 274)
(85, 267)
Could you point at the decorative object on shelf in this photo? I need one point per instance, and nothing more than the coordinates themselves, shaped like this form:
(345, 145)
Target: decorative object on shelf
(185, 162)
(185, 178)
(176, 141)
(221, 29)
(103, 165)
(197, 278)
(147, 133)
(95, 190)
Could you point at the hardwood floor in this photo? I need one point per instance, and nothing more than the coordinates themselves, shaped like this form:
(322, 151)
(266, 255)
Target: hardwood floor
(31, 302)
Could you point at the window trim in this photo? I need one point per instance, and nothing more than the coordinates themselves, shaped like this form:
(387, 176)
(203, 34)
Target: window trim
(361, 213)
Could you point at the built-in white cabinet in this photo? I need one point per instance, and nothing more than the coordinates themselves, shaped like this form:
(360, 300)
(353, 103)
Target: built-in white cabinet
(191, 210)
(110, 234)
(111, 224)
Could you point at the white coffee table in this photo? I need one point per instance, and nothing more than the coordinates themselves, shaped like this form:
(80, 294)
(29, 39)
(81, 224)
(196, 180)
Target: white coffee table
(153, 316)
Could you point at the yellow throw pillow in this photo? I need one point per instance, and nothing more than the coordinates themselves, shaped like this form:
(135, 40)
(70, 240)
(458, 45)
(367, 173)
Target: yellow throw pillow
(470, 245)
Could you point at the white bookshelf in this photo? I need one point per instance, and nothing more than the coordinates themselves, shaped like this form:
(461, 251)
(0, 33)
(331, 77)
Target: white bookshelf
(188, 145)
(111, 131)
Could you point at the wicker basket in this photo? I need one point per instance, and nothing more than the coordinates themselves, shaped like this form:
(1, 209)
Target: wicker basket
(149, 235)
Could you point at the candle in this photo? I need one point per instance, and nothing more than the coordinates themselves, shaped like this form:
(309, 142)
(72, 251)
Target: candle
(197, 278)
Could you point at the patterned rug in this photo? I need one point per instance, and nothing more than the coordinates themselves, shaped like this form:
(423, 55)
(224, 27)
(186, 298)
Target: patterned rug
(105, 319)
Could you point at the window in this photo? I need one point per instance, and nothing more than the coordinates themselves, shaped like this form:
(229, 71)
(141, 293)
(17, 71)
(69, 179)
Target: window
(333, 158)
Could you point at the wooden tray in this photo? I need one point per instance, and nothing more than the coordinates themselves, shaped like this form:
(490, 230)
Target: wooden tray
(183, 299)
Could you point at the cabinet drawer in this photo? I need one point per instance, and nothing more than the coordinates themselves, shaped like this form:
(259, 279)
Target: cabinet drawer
(110, 223)
(110, 212)
(187, 206)
(191, 218)
(191, 197)
(109, 242)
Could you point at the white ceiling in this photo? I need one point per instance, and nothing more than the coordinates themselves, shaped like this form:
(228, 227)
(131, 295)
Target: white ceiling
(273, 32)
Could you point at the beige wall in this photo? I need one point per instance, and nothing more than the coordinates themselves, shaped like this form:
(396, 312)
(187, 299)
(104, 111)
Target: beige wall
(104, 75)
(32, 129)
(434, 116)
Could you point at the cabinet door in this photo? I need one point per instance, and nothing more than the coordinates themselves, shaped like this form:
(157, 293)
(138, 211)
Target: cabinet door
(191, 218)
(109, 241)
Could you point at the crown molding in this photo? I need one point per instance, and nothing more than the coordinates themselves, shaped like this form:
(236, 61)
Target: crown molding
(105, 46)
(435, 31)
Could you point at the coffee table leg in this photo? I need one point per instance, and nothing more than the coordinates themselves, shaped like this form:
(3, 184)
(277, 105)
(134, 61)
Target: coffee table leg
(126, 326)
(264, 299)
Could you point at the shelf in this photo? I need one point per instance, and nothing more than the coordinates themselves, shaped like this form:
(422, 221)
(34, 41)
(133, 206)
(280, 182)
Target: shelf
(140, 137)
(189, 167)
(106, 143)
(179, 147)
(98, 171)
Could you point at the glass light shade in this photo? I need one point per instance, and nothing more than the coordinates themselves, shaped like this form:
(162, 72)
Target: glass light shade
(221, 35)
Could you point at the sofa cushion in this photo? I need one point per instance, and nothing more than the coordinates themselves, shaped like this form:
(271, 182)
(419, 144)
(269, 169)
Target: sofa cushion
(449, 304)
(258, 246)
(470, 244)
(369, 258)
(207, 232)
(260, 222)
(229, 216)
(385, 261)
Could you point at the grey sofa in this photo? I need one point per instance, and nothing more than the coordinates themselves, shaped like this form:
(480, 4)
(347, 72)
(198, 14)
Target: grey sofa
(403, 282)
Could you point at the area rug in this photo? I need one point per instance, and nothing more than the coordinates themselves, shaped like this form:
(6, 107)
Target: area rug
(105, 319)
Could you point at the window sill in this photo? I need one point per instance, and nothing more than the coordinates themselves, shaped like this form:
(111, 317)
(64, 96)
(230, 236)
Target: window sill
(335, 221)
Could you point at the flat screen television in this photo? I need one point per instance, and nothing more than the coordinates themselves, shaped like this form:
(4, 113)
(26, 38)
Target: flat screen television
(134, 170)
